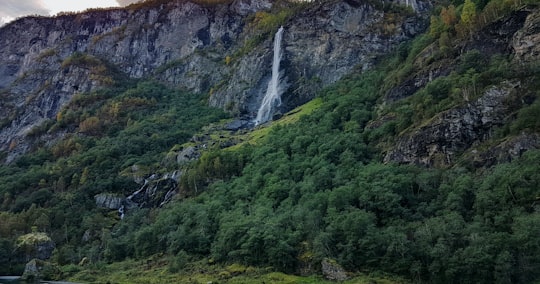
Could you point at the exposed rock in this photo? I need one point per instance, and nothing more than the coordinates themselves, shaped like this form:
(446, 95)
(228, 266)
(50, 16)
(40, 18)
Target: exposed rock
(318, 51)
(36, 78)
(525, 41)
(154, 193)
(497, 37)
(34, 245)
(86, 236)
(183, 44)
(419, 80)
(238, 124)
(109, 200)
(37, 269)
(454, 131)
(188, 154)
(505, 151)
(333, 271)
(513, 31)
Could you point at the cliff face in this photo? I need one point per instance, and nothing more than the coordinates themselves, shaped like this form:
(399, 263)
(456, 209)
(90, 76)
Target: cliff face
(45, 61)
(462, 129)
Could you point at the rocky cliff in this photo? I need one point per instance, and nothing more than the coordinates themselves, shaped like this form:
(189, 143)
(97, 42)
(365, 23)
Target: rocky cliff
(442, 139)
(219, 50)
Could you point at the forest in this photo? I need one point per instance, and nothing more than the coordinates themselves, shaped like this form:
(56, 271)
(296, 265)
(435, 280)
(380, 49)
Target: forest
(313, 189)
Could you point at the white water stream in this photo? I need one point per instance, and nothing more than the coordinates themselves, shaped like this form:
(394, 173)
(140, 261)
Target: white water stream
(272, 98)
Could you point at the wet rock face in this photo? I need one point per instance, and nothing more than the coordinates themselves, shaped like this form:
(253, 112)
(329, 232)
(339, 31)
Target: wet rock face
(184, 45)
(454, 131)
(35, 81)
(155, 192)
(320, 45)
(109, 201)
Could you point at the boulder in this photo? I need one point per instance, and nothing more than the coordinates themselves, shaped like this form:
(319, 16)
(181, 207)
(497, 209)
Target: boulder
(237, 125)
(34, 246)
(37, 269)
(333, 271)
(188, 154)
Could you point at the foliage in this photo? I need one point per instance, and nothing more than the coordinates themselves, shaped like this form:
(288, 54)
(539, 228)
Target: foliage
(320, 187)
(308, 187)
(118, 127)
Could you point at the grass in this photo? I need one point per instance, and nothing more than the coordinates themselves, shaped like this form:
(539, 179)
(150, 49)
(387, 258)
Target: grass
(218, 135)
(32, 239)
(258, 134)
(155, 270)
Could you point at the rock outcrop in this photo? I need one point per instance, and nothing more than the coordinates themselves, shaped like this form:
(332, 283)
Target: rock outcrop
(516, 33)
(37, 269)
(156, 191)
(457, 131)
(504, 151)
(109, 200)
(333, 271)
(525, 41)
(45, 61)
(454, 131)
(34, 245)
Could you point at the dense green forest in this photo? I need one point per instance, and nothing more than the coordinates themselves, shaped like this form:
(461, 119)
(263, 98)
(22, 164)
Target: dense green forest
(308, 190)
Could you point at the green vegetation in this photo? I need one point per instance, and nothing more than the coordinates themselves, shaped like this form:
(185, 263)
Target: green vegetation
(154, 270)
(119, 127)
(263, 24)
(308, 187)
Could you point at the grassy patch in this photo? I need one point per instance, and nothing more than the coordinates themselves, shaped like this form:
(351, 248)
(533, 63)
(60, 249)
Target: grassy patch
(257, 135)
(154, 270)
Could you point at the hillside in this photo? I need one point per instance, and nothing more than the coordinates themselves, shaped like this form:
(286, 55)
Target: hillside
(405, 150)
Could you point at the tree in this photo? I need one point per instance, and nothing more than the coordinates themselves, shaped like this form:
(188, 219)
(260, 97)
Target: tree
(448, 16)
(436, 26)
(468, 15)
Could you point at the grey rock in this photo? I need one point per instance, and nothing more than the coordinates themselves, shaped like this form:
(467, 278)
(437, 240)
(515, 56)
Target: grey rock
(182, 44)
(237, 124)
(37, 269)
(497, 37)
(525, 41)
(505, 151)
(188, 154)
(32, 270)
(454, 131)
(154, 193)
(333, 271)
(34, 245)
(109, 200)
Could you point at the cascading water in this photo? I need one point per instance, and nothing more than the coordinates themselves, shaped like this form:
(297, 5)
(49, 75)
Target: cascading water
(272, 98)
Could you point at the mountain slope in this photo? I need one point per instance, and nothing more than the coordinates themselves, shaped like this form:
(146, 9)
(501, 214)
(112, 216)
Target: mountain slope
(222, 50)
(424, 166)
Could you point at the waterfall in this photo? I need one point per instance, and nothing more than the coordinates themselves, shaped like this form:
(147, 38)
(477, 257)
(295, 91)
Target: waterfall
(272, 98)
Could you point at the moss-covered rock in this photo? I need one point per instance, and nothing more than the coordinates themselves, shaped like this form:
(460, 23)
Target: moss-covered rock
(37, 269)
(34, 245)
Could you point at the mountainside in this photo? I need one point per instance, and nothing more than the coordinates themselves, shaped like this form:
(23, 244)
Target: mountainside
(405, 149)
(223, 50)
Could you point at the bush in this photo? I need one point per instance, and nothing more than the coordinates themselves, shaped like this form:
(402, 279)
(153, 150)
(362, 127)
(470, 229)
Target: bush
(178, 262)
